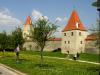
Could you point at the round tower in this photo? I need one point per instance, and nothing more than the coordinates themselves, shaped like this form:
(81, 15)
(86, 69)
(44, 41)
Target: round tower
(73, 35)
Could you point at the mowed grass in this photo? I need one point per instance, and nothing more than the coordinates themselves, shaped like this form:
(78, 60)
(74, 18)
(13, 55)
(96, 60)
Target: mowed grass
(90, 57)
(83, 56)
(52, 54)
(30, 64)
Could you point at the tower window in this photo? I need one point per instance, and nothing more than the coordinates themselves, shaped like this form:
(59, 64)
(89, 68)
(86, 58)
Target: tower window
(81, 42)
(68, 42)
(80, 33)
(65, 42)
(64, 34)
(71, 33)
(24, 34)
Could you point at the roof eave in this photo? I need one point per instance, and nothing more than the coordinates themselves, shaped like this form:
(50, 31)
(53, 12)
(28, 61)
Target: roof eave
(73, 29)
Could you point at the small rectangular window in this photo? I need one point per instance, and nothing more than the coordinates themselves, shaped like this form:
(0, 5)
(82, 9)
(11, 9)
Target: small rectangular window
(64, 34)
(68, 42)
(65, 42)
(71, 33)
(80, 33)
(81, 42)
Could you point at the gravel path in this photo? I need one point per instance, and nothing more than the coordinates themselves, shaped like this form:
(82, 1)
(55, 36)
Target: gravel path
(5, 70)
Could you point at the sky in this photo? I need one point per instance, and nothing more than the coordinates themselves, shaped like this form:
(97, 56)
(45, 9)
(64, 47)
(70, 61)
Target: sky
(13, 13)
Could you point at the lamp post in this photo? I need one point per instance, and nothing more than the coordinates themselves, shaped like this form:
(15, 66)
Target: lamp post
(97, 4)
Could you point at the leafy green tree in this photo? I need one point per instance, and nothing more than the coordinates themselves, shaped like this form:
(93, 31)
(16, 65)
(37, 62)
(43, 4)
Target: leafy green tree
(11, 41)
(43, 29)
(3, 40)
(10, 44)
(17, 38)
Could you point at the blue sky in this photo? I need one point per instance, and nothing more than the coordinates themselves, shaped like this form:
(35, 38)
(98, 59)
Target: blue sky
(17, 10)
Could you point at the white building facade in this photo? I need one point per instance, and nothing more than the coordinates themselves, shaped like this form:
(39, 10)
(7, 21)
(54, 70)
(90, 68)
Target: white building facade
(72, 39)
(28, 45)
(73, 35)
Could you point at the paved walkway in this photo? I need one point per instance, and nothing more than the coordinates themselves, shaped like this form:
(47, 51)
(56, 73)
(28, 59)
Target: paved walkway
(5, 70)
(73, 60)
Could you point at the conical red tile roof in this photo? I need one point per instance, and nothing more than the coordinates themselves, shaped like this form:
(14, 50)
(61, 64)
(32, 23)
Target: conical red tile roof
(74, 23)
(28, 21)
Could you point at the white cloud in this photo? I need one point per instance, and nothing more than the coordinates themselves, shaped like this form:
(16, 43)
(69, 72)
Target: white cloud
(4, 11)
(58, 19)
(58, 32)
(36, 14)
(46, 17)
(7, 19)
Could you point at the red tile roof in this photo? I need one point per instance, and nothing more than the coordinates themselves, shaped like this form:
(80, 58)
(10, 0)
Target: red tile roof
(28, 21)
(54, 39)
(91, 38)
(71, 25)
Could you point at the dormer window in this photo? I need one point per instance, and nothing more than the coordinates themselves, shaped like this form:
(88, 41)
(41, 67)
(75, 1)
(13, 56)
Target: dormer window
(71, 33)
(77, 25)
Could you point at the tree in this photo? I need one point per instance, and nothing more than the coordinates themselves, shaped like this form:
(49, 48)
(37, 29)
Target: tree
(17, 38)
(97, 4)
(43, 29)
(94, 30)
(10, 44)
(3, 40)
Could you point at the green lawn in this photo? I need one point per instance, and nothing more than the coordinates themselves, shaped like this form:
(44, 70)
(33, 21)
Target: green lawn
(83, 56)
(90, 57)
(52, 54)
(30, 63)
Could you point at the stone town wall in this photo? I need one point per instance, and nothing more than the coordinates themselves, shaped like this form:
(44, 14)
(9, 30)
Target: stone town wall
(50, 45)
(91, 47)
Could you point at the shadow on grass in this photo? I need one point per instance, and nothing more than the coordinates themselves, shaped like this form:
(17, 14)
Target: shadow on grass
(44, 66)
(4, 56)
(94, 69)
(22, 59)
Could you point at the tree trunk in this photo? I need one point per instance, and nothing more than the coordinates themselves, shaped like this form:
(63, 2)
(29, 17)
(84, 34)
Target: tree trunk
(41, 56)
